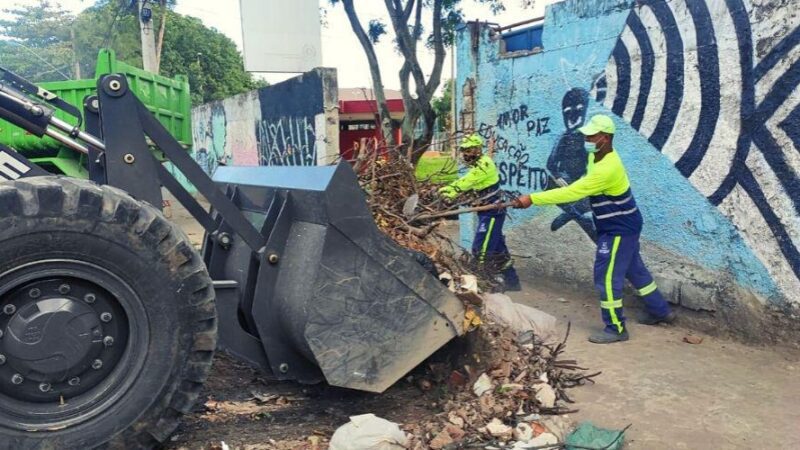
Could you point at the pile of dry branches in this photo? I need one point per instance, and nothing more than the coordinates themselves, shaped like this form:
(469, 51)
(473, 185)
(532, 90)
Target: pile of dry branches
(411, 212)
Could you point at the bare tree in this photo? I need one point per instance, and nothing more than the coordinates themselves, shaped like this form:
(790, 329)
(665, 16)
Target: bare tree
(161, 29)
(417, 90)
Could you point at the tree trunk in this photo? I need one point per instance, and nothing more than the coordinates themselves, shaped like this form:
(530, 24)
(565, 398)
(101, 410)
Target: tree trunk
(76, 64)
(407, 44)
(161, 29)
(375, 72)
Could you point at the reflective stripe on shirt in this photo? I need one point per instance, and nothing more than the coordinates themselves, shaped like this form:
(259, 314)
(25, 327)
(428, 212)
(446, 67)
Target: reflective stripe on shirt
(618, 213)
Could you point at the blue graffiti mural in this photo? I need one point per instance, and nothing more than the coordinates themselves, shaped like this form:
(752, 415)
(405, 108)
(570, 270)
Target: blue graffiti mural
(754, 134)
(706, 99)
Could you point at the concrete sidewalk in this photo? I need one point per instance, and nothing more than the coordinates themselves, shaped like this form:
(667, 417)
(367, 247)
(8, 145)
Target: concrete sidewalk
(715, 395)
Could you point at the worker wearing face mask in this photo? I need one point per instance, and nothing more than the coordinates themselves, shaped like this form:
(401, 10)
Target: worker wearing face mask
(489, 246)
(618, 223)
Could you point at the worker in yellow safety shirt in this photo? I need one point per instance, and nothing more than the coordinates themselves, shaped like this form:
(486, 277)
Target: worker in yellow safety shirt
(618, 222)
(489, 245)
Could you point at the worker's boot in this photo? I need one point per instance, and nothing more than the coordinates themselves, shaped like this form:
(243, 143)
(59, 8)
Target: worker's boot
(608, 337)
(645, 318)
(508, 278)
(511, 280)
(513, 286)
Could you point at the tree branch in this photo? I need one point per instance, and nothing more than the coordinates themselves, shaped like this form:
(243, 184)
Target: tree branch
(417, 25)
(408, 8)
(374, 68)
(439, 52)
(406, 46)
(161, 30)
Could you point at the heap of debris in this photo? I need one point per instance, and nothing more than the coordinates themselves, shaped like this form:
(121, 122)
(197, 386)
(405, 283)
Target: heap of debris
(510, 392)
(411, 212)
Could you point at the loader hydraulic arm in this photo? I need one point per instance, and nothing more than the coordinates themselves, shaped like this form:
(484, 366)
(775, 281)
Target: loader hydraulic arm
(117, 128)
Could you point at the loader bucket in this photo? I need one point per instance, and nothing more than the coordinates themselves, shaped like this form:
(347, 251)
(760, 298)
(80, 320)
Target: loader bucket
(330, 296)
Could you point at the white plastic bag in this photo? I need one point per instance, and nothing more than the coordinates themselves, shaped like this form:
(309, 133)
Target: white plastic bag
(369, 432)
(500, 309)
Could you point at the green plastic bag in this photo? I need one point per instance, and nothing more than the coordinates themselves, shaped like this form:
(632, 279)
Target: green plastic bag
(588, 436)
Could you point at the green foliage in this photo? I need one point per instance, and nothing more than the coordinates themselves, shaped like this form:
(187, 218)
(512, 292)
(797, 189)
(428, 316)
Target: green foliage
(437, 169)
(39, 45)
(442, 106)
(376, 29)
(210, 59)
(453, 16)
(107, 25)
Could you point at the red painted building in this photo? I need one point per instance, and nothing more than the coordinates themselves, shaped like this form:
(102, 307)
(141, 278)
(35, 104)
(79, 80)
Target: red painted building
(358, 117)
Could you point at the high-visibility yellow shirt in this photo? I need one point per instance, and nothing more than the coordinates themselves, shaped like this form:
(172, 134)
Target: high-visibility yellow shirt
(606, 177)
(482, 175)
(606, 184)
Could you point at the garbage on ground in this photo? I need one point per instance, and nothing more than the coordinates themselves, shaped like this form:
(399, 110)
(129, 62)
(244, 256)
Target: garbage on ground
(587, 435)
(560, 426)
(498, 429)
(692, 339)
(369, 432)
(469, 283)
(516, 392)
(545, 395)
(519, 318)
(482, 385)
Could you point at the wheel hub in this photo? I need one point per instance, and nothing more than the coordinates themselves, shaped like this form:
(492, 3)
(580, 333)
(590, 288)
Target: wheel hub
(59, 337)
(53, 339)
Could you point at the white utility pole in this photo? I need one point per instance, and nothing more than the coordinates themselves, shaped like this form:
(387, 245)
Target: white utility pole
(149, 61)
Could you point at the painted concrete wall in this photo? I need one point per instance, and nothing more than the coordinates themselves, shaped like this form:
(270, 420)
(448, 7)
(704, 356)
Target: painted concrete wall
(706, 99)
(295, 122)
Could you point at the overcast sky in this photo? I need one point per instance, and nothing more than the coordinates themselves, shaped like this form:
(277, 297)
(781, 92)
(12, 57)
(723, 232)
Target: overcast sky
(340, 48)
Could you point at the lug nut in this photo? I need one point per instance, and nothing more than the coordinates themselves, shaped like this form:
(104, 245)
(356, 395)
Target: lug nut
(89, 298)
(105, 317)
(9, 309)
(44, 387)
(64, 289)
(97, 364)
(74, 381)
(108, 341)
(34, 293)
(17, 378)
(2, 359)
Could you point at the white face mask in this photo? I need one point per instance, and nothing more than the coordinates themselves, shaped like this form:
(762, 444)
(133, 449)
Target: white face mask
(590, 147)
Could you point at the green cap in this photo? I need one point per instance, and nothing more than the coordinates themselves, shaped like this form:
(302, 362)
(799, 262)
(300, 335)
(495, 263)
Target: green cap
(598, 124)
(472, 141)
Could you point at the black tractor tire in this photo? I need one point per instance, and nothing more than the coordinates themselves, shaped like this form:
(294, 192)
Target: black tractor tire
(115, 268)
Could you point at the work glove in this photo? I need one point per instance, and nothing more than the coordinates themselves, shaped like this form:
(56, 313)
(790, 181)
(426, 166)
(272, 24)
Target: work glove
(448, 193)
(523, 201)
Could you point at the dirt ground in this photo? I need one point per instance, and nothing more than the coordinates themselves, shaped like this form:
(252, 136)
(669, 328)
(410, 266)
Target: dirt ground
(714, 395)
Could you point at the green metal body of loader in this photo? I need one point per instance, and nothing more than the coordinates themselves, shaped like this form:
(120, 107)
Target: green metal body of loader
(168, 99)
